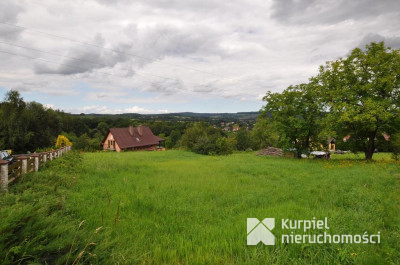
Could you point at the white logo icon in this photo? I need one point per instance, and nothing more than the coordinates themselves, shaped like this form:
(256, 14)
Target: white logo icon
(260, 231)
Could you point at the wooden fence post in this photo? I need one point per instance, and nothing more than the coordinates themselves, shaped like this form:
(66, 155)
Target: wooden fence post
(44, 157)
(4, 175)
(36, 157)
(24, 164)
(51, 155)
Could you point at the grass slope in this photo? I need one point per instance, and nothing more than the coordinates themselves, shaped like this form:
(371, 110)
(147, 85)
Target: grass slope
(177, 207)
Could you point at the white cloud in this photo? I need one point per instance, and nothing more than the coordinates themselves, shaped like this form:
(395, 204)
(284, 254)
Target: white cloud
(137, 109)
(49, 106)
(102, 109)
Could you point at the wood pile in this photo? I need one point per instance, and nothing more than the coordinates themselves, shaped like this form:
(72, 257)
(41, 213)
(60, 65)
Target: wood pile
(271, 151)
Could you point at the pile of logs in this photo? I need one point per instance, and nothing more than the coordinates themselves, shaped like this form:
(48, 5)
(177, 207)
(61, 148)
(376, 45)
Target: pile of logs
(271, 151)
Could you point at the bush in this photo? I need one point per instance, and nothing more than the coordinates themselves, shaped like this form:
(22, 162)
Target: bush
(173, 139)
(264, 134)
(204, 145)
(242, 139)
(395, 145)
(224, 146)
(62, 141)
(204, 139)
(84, 143)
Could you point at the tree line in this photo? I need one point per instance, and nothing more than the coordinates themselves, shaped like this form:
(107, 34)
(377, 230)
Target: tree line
(30, 127)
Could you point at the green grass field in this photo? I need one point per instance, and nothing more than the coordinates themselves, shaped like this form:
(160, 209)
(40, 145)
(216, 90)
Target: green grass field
(176, 207)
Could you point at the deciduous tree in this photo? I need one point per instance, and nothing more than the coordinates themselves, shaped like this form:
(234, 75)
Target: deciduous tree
(297, 112)
(362, 93)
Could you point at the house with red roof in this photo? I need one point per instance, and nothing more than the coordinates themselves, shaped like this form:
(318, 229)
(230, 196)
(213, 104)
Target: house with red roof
(139, 138)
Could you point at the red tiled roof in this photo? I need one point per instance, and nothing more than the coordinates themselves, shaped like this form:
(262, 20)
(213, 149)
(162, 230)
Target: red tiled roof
(130, 137)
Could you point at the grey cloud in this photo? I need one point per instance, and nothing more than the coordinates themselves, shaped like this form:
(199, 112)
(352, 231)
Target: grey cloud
(204, 89)
(42, 87)
(113, 2)
(9, 33)
(329, 12)
(9, 13)
(181, 5)
(145, 46)
(166, 87)
(393, 42)
(22, 88)
(84, 59)
(167, 40)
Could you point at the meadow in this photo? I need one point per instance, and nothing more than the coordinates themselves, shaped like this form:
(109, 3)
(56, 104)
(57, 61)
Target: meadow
(177, 207)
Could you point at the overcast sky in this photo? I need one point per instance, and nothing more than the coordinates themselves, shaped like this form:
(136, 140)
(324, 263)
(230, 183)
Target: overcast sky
(155, 56)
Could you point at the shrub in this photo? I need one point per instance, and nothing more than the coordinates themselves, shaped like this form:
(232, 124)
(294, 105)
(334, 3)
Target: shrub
(204, 139)
(395, 144)
(62, 141)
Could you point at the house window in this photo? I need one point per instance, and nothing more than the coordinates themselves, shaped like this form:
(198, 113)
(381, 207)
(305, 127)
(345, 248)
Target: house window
(111, 144)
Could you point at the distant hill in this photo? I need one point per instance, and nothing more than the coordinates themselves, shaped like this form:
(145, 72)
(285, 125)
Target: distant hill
(186, 116)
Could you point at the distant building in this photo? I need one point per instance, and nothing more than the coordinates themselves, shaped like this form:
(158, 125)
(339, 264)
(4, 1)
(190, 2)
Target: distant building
(386, 136)
(331, 144)
(139, 138)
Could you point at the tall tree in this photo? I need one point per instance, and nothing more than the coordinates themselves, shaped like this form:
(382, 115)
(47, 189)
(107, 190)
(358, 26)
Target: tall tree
(13, 122)
(362, 93)
(173, 139)
(264, 133)
(297, 112)
(242, 139)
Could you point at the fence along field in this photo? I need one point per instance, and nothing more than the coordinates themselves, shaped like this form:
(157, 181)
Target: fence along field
(26, 164)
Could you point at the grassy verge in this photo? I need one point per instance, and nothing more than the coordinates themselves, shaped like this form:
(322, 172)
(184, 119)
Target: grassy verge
(35, 226)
